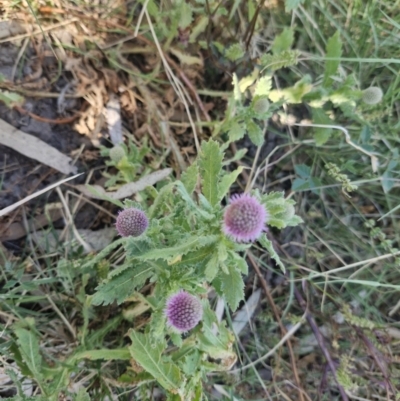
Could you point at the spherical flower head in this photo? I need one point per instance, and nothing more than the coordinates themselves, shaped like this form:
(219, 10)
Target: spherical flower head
(117, 153)
(131, 222)
(372, 95)
(184, 311)
(244, 218)
(261, 105)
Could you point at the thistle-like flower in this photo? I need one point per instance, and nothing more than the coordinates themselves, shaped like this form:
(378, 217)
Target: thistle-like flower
(372, 95)
(244, 218)
(117, 153)
(261, 105)
(131, 222)
(184, 311)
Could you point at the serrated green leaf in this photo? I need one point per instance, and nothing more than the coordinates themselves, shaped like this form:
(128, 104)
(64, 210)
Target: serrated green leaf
(267, 244)
(211, 269)
(185, 15)
(240, 262)
(263, 86)
(248, 80)
(122, 286)
(299, 184)
(285, 59)
(232, 286)
(274, 203)
(157, 324)
(292, 4)
(191, 362)
(210, 163)
(189, 178)
(121, 354)
(333, 49)
(283, 41)
(28, 345)
(136, 247)
(190, 202)
(273, 196)
(234, 52)
(236, 131)
(321, 135)
(149, 356)
(256, 134)
(176, 339)
(102, 254)
(302, 170)
(222, 252)
(293, 94)
(199, 256)
(227, 180)
(189, 244)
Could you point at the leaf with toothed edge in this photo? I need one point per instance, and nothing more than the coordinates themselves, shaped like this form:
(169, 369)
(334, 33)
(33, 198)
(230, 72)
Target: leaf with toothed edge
(149, 356)
(210, 167)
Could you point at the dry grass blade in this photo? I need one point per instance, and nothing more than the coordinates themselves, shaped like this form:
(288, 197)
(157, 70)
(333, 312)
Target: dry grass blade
(10, 208)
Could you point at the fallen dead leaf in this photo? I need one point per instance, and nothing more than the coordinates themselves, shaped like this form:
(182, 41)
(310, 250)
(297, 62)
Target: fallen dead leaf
(34, 148)
(113, 116)
(127, 190)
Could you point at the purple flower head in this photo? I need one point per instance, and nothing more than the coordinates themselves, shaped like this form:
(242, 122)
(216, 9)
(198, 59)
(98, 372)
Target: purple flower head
(244, 218)
(184, 311)
(131, 222)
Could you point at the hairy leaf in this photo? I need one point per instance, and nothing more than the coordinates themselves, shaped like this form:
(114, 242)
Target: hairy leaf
(321, 135)
(283, 41)
(236, 131)
(149, 356)
(188, 245)
(234, 52)
(29, 348)
(212, 268)
(333, 49)
(277, 61)
(189, 178)
(227, 180)
(267, 244)
(256, 134)
(263, 86)
(186, 15)
(232, 286)
(240, 262)
(122, 286)
(121, 354)
(210, 166)
(191, 203)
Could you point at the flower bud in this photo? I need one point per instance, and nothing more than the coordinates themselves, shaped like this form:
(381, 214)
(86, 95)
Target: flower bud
(117, 153)
(261, 105)
(131, 222)
(184, 311)
(244, 218)
(372, 95)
